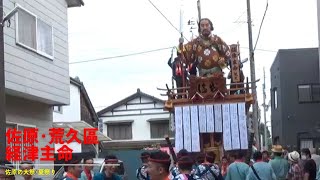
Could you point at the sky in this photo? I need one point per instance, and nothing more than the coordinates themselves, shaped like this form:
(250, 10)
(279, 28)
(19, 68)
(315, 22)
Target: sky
(103, 29)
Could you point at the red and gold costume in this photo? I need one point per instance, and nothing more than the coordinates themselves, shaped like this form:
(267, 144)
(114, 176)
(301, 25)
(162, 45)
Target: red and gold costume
(209, 54)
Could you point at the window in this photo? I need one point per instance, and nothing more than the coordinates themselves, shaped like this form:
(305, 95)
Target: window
(159, 129)
(304, 93)
(34, 34)
(100, 125)
(119, 131)
(274, 98)
(57, 109)
(316, 92)
(20, 127)
(309, 93)
(306, 143)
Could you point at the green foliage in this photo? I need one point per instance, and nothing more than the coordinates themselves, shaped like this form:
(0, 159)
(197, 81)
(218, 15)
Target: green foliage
(261, 132)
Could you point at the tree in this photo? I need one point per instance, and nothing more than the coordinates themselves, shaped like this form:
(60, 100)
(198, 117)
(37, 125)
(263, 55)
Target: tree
(261, 132)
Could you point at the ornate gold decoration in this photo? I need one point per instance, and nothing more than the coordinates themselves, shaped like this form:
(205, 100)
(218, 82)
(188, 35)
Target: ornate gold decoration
(207, 63)
(199, 49)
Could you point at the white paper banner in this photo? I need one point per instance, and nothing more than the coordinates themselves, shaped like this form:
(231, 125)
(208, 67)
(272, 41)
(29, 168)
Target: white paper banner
(202, 119)
(235, 139)
(226, 127)
(218, 118)
(210, 118)
(243, 126)
(186, 128)
(195, 129)
(179, 130)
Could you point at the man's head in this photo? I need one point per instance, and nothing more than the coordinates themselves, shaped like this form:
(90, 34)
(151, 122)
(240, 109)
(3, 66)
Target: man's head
(74, 166)
(277, 150)
(144, 157)
(158, 165)
(257, 156)
(265, 155)
(88, 163)
(224, 160)
(240, 155)
(26, 165)
(205, 27)
(185, 163)
(111, 163)
(305, 154)
(210, 157)
(232, 157)
(182, 152)
(200, 158)
(6, 166)
(293, 157)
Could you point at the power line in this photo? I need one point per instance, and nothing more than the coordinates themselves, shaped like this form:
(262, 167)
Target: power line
(266, 50)
(264, 15)
(120, 56)
(167, 19)
(144, 52)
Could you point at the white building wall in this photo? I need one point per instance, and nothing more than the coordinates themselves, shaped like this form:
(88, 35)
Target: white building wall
(72, 112)
(29, 74)
(140, 125)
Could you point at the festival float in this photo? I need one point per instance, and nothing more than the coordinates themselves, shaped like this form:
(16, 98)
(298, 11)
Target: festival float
(207, 113)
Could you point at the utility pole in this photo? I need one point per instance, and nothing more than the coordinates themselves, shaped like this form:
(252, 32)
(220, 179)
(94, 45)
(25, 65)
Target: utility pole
(2, 90)
(199, 10)
(253, 77)
(265, 108)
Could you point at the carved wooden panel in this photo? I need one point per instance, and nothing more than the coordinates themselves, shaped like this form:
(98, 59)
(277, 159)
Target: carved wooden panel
(207, 86)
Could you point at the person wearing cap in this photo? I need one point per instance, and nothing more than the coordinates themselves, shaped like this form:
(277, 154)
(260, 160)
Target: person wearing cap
(5, 167)
(109, 173)
(238, 170)
(27, 166)
(279, 165)
(158, 165)
(260, 170)
(141, 172)
(208, 169)
(295, 171)
(73, 169)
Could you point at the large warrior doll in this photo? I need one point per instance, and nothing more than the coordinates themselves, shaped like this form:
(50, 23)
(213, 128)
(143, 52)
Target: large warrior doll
(209, 52)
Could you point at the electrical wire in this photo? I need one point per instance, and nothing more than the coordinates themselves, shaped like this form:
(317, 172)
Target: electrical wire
(167, 19)
(120, 56)
(264, 15)
(266, 50)
(144, 52)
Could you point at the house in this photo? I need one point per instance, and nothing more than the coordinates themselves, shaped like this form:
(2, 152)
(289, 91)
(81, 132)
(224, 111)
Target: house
(36, 66)
(135, 122)
(79, 114)
(295, 98)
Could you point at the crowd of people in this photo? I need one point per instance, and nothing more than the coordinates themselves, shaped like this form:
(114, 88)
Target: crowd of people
(279, 165)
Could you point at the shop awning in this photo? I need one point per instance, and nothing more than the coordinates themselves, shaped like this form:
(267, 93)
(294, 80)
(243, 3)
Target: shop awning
(79, 126)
